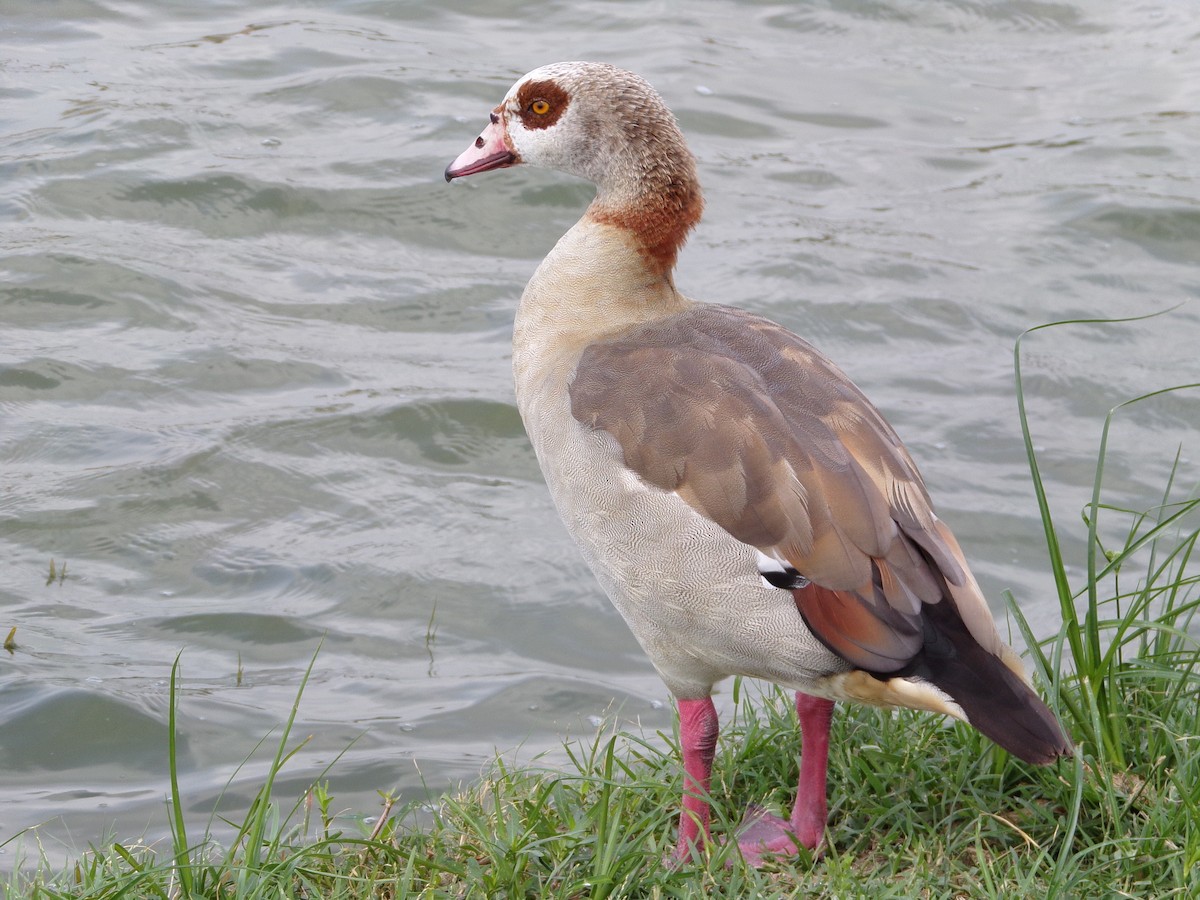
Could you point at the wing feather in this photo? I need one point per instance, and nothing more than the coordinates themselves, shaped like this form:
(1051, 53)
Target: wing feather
(758, 431)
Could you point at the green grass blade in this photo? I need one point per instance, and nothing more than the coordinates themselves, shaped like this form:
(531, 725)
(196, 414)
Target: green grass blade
(258, 821)
(183, 861)
(1053, 547)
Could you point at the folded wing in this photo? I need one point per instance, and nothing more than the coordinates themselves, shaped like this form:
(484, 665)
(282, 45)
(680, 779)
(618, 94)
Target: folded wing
(755, 429)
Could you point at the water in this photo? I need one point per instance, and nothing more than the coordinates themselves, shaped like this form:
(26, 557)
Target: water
(254, 375)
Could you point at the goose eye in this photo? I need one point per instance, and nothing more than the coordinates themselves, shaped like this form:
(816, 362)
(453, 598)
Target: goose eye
(541, 107)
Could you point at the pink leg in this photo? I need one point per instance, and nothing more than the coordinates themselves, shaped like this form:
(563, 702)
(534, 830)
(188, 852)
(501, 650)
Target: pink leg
(809, 814)
(762, 833)
(698, 739)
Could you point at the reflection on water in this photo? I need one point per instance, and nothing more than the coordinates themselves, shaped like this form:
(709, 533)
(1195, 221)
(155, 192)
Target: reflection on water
(254, 384)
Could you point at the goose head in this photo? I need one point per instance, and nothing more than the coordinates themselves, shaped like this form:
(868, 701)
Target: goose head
(605, 125)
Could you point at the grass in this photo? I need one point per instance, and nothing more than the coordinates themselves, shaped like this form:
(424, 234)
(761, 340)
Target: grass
(918, 809)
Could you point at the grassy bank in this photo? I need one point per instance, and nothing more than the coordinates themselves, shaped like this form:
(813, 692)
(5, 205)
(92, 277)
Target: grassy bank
(918, 808)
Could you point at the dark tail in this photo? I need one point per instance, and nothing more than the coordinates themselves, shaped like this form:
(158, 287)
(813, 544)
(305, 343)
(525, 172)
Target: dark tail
(997, 701)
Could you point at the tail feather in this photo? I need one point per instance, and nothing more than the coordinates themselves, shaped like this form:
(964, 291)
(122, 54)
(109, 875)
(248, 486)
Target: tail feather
(996, 700)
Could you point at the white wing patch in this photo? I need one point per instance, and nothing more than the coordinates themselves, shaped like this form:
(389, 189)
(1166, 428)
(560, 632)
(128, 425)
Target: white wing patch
(775, 572)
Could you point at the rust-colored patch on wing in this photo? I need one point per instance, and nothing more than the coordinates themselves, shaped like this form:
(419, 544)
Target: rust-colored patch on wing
(868, 635)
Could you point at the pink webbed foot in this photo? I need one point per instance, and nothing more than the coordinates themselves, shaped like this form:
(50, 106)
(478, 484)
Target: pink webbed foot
(762, 834)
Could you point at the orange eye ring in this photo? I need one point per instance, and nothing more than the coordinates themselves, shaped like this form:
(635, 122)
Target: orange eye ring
(539, 107)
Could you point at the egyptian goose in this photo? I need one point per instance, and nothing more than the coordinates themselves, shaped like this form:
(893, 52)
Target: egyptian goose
(745, 507)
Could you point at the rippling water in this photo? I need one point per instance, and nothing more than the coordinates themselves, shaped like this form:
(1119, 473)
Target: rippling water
(254, 353)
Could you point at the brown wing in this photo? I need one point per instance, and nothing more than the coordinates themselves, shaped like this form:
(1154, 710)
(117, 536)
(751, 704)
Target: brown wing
(758, 431)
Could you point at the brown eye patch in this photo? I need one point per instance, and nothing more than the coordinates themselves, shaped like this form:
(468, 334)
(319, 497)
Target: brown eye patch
(540, 103)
